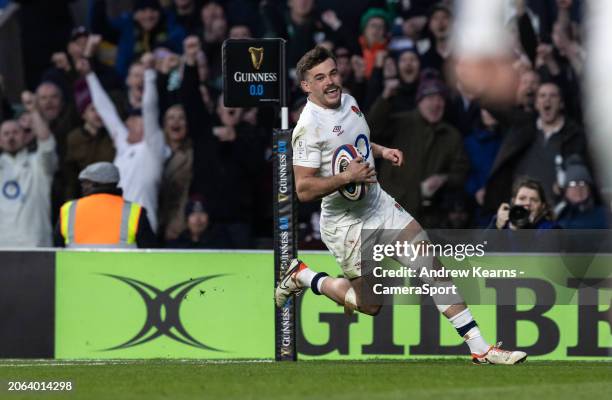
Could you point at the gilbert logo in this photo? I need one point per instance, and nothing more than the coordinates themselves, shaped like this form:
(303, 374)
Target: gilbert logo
(257, 54)
(163, 317)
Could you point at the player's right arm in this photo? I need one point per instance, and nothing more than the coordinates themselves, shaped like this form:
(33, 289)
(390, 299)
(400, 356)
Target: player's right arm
(310, 187)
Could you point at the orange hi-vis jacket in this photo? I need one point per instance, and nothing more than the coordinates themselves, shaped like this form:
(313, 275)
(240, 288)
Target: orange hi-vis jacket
(100, 220)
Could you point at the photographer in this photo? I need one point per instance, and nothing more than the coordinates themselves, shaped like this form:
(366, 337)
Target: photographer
(527, 209)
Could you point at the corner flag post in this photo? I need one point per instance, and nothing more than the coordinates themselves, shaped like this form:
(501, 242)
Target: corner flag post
(255, 74)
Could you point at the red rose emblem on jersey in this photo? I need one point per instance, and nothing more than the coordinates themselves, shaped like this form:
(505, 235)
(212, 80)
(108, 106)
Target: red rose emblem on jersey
(356, 110)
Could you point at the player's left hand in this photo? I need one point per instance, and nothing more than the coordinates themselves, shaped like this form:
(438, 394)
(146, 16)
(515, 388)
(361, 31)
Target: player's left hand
(394, 155)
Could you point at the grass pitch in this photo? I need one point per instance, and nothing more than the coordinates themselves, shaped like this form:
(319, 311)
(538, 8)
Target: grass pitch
(192, 379)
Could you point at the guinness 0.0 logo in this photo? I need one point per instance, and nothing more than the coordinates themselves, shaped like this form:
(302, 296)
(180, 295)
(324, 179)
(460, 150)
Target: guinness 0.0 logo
(257, 54)
(163, 317)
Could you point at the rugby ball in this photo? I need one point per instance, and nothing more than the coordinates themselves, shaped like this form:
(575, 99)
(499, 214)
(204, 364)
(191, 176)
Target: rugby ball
(343, 155)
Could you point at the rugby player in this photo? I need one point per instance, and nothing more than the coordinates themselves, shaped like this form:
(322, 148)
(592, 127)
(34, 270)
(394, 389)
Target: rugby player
(329, 120)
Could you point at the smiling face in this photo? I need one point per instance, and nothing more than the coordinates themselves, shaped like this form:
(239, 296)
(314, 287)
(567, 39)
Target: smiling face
(175, 124)
(323, 85)
(548, 103)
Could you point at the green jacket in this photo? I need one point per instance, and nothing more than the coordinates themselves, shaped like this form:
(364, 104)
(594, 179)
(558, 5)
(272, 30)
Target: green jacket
(428, 150)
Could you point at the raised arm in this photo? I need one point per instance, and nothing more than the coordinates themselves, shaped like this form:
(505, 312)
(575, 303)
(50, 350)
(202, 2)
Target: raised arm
(45, 152)
(104, 106)
(153, 134)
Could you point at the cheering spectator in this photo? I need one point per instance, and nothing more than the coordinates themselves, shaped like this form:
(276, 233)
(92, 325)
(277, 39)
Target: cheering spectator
(177, 173)
(440, 22)
(374, 31)
(25, 178)
(140, 145)
(87, 144)
(434, 148)
(532, 145)
(138, 32)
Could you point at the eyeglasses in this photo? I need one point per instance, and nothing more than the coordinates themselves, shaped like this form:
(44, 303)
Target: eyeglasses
(576, 184)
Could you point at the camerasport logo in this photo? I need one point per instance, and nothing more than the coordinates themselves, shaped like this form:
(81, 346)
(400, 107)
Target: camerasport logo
(169, 322)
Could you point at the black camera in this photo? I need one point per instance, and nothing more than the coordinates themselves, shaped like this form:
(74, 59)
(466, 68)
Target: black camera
(519, 216)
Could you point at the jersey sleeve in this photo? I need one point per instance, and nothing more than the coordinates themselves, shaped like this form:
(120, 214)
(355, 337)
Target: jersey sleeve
(306, 147)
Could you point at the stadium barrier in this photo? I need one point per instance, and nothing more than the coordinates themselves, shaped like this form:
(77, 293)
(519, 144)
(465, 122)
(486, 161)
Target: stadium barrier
(219, 305)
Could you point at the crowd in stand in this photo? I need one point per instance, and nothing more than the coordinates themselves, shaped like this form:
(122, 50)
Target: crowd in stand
(143, 90)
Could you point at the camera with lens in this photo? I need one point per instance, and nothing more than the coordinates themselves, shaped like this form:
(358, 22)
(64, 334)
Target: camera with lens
(519, 216)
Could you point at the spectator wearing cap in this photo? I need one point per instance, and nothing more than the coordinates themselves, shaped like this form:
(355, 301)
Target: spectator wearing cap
(139, 141)
(102, 218)
(579, 208)
(439, 24)
(434, 149)
(137, 32)
(374, 27)
(199, 232)
(87, 144)
(25, 182)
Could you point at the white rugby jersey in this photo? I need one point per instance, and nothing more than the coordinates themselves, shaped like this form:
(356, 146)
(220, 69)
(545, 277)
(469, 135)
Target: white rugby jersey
(318, 133)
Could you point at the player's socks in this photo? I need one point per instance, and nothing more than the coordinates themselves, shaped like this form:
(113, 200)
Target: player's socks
(468, 329)
(309, 278)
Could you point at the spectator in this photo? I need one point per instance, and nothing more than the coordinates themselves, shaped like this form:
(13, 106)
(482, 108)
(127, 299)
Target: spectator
(298, 24)
(481, 146)
(374, 36)
(102, 218)
(527, 194)
(440, 23)
(140, 145)
(138, 32)
(214, 32)
(579, 209)
(199, 232)
(25, 179)
(176, 178)
(63, 71)
(186, 14)
(532, 144)
(61, 116)
(87, 144)
(401, 91)
(434, 150)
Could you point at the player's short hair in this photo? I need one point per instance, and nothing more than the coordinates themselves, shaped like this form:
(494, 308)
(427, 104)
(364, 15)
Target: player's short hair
(311, 59)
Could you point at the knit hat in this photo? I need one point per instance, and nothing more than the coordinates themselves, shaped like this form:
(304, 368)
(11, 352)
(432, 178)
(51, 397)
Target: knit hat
(374, 13)
(100, 172)
(430, 86)
(195, 204)
(576, 171)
